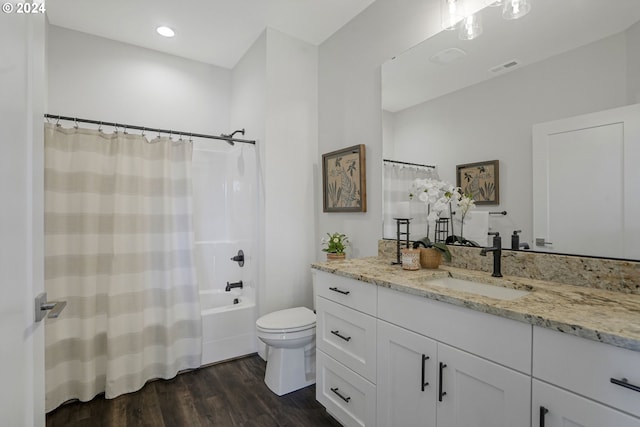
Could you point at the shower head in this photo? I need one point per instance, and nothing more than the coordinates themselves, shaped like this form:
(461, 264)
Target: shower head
(232, 134)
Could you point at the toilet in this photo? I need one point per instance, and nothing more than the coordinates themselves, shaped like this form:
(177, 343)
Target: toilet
(290, 337)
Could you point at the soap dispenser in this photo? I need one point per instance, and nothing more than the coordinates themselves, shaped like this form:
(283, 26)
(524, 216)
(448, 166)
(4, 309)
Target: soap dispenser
(515, 240)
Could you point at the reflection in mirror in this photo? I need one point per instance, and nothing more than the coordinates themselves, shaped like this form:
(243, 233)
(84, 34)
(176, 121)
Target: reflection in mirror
(448, 102)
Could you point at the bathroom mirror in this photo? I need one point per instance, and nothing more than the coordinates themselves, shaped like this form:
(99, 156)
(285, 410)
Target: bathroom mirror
(448, 102)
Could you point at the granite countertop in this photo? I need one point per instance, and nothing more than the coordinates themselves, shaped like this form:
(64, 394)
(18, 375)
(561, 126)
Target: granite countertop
(596, 314)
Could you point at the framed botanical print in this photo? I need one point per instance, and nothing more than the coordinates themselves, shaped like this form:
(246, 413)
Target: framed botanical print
(481, 181)
(344, 180)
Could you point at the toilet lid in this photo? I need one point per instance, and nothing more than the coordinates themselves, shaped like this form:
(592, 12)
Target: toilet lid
(291, 318)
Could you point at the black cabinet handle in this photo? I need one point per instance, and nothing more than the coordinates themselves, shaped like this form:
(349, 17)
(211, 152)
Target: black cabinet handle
(441, 377)
(543, 412)
(337, 333)
(340, 291)
(346, 399)
(626, 384)
(423, 384)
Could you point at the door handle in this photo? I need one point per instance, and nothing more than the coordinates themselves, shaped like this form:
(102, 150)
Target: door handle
(441, 375)
(543, 412)
(42, 306)
(423, 383)
(541, 241)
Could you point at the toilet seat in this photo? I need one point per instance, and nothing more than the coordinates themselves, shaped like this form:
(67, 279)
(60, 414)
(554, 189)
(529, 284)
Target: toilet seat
(289, 320)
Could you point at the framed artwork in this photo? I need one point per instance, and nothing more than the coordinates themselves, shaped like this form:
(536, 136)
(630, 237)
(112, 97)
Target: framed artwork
(344, 180)
(481, 180)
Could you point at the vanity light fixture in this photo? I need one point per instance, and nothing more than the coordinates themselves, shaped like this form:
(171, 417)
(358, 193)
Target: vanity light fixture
(470, 27)
(514, 9)
(452, 12)
(165, 31)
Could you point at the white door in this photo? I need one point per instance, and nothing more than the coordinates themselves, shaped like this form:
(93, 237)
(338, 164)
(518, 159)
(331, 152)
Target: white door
(553, 407)
(479, 393)
(21, 219)
(407, 378)
(586, 184)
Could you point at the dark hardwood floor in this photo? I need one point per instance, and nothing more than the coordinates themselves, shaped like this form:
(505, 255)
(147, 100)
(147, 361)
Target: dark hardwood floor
(227, 394)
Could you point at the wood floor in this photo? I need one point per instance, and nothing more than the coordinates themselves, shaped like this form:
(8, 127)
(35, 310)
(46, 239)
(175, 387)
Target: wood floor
(227, 394)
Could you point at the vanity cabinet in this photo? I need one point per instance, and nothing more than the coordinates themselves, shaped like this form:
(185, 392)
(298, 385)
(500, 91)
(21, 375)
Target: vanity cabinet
(391, 358)
(583, 382)
(426, 382)
(346, 345)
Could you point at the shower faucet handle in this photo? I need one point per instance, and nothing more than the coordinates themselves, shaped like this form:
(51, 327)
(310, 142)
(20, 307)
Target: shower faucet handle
(239, 258)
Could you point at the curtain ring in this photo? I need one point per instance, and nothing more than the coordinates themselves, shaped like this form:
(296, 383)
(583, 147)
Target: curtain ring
(58, 122)
(115, 126)
(190, 137)
(143, 129)
(125, 130)
(75, 123)
(100, 127)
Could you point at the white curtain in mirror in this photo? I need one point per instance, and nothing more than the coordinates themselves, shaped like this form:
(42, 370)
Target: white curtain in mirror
(397, 182)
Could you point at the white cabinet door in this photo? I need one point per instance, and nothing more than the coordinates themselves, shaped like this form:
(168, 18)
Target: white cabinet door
(478, 393)
(553, 407)
(407, 378)
(586, 181)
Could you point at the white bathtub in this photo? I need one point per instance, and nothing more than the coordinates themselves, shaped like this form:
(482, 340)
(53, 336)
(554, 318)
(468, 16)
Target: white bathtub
(228, 329)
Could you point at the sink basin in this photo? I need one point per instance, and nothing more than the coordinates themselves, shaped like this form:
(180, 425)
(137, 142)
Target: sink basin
(491, 291)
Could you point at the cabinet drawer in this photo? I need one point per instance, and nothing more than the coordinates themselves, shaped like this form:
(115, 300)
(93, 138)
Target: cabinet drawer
(587, 367)
(348, 336)
(347, 396)
(501, 340)
(564, 408)
(353, 293)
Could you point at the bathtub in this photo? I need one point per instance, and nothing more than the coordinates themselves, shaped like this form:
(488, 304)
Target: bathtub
(228, 324)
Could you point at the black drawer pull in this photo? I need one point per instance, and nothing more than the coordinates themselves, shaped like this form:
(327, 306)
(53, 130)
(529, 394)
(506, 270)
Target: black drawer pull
(335, 390)
(340, 291)
(423, 384)
(337, 333)
(543, 412)
(626, 384)
(440, 392)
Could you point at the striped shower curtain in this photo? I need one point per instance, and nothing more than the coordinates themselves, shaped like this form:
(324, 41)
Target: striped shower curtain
(397, 180)
(118, 249)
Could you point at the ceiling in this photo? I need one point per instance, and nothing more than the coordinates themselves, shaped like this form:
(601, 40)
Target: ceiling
(552, 27)
(216, 32)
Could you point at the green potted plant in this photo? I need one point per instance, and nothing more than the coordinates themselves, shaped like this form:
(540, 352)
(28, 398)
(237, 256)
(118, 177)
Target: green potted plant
(431, 253)
(335, 246)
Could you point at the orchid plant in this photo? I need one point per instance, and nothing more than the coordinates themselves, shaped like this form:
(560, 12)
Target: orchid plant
(439, 196)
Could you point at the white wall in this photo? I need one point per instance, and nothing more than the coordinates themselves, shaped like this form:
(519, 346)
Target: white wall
(96, 78)
(493, 120)
(276, 83)
(22, 42)
(349, 102)
(633, 63)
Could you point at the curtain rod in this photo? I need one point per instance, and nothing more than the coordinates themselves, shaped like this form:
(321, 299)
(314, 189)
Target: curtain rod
(228, 138)
(409, 164)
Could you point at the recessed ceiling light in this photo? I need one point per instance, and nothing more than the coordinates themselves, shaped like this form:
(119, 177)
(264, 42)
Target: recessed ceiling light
(165, 31)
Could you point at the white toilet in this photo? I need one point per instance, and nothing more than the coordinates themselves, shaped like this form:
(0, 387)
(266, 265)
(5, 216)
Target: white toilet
(290, 337)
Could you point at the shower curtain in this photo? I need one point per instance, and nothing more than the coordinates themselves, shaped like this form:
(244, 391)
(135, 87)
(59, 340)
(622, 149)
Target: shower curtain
(396, 204)
(118, 249)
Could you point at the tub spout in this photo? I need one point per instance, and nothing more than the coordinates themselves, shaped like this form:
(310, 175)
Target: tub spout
(233, 285)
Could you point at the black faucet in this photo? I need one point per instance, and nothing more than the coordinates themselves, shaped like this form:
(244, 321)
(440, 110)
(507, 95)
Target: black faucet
(233, 285)
(497, 253)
